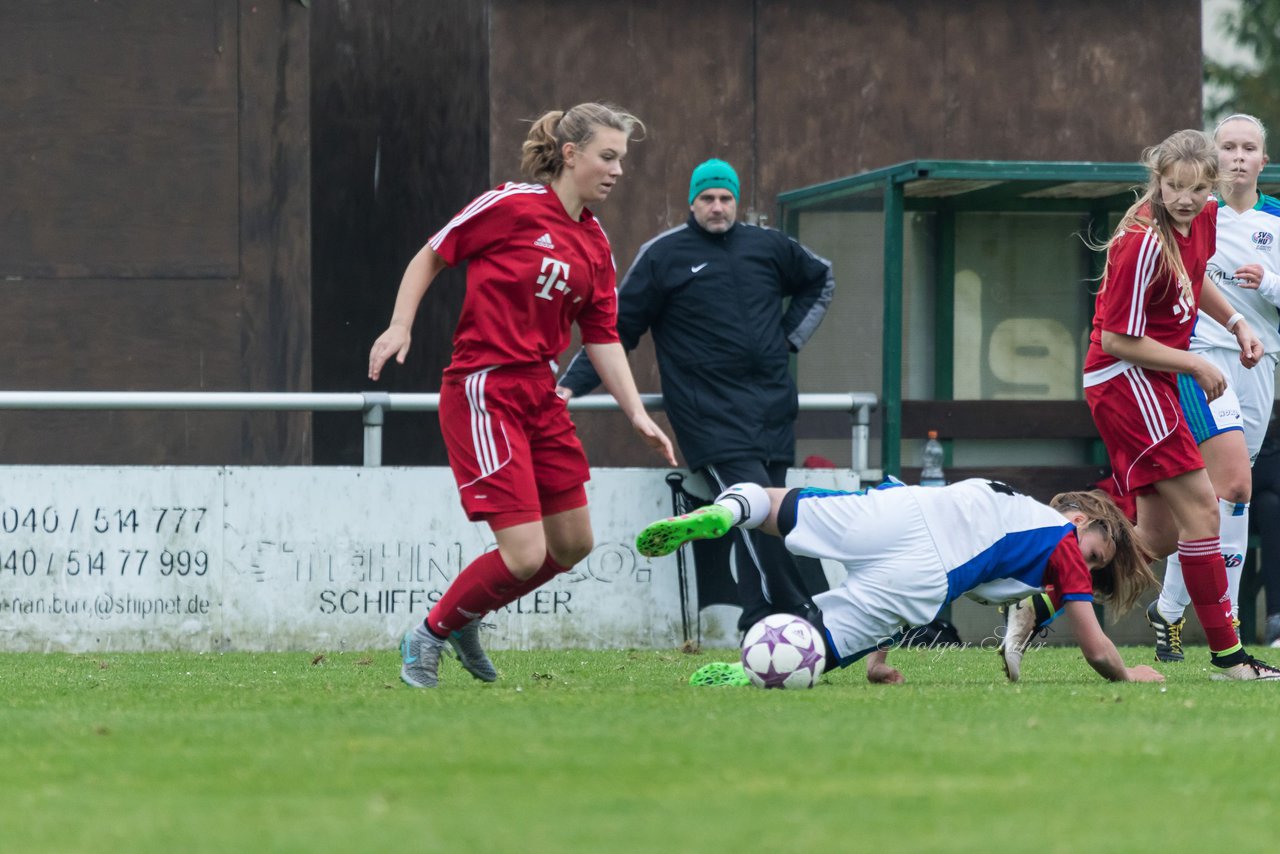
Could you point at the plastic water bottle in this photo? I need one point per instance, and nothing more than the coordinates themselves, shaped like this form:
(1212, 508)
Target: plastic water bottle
(931, 462)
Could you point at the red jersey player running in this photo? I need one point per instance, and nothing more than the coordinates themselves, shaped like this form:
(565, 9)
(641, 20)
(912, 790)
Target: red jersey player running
(538, 262)
(1153, 285)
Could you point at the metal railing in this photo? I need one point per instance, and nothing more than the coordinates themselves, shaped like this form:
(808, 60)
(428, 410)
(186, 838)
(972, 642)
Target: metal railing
(375, 405)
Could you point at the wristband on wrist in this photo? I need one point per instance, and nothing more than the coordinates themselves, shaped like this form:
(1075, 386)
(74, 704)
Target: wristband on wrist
(1233, 320)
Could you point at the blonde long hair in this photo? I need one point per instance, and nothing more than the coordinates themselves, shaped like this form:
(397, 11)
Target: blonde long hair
(542, 154)
(1121, 582)
(1191, 147)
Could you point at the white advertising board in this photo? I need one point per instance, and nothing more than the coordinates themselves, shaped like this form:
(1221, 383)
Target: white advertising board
(96, 558)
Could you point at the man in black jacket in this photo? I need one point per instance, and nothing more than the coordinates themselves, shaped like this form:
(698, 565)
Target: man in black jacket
(728, 303)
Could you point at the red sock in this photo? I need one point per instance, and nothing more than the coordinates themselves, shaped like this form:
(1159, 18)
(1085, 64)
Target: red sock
(549, 570)
(484, 585)
(1205, 574)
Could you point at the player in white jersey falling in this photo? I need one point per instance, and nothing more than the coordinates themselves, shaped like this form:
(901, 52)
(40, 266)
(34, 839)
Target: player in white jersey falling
(909, 551)
(1230, 429)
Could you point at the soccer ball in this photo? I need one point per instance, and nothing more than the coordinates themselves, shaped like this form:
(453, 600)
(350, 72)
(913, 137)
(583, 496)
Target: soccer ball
(783, 651)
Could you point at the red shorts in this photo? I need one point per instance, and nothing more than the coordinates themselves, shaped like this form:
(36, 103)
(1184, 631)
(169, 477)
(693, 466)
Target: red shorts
(512, 447)
(1140, 420)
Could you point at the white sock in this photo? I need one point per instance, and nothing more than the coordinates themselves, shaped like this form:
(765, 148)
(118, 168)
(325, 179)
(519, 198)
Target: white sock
(748, 502)
(1233, 531)
(1174, 597)
(1234, 527)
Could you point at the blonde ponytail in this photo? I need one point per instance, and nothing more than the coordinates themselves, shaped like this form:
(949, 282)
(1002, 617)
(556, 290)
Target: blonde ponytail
(542, 154)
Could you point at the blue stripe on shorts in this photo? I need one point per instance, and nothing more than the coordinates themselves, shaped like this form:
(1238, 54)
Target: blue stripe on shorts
(1195, 408)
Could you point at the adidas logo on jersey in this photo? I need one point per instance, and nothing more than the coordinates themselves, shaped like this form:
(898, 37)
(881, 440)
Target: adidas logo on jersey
(545, 242)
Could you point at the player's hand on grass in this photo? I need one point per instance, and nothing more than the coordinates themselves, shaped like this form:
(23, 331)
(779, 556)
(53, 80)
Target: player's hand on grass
(883, 674)
(1145, 673)
(880, 673)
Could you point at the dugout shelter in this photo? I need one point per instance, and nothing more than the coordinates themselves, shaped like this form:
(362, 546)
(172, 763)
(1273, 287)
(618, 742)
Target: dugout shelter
(966, 296)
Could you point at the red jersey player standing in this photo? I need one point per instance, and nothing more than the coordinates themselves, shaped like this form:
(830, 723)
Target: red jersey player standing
(1153, 285)
(538, 262)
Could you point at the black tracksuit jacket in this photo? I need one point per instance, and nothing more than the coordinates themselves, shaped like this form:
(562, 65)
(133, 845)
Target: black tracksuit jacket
(723, 331)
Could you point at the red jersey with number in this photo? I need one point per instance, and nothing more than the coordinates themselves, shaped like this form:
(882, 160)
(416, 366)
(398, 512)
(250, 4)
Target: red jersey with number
(1140, 298)
(532, 272)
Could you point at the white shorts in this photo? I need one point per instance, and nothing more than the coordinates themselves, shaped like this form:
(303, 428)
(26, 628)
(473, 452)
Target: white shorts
(1246, 404)
(909, 550)
(896, 578)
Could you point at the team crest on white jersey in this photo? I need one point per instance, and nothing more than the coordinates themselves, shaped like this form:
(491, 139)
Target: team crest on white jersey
(1263, 240)
(545, 241)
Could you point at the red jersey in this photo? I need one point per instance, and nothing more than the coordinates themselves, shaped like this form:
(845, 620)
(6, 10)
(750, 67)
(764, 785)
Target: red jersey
(1067, 576)
(532, 272)
(1140, 298)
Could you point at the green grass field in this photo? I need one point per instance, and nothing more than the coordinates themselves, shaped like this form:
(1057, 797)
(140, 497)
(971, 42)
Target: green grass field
(614, 751)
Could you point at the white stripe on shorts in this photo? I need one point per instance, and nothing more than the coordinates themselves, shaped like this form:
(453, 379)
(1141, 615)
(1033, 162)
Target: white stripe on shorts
(1148, 404)
(481, 424)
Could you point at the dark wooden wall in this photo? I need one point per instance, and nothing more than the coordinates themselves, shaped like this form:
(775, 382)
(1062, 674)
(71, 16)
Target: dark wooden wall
(800, 92)
(400, 142)
(222, 195)
(795, 93)
(154, 223)
(882, 82)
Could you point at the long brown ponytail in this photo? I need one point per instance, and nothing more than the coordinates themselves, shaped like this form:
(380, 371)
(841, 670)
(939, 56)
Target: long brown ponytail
(542, 154)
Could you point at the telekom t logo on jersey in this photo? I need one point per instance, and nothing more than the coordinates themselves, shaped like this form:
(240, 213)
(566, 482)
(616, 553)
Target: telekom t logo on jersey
(1183, 308)
(555, 277)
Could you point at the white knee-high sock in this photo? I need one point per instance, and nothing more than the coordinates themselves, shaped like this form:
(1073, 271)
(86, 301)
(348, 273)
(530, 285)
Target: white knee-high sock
(1174, 597)
(749, 503)
(1235, 542)
(1233, 528)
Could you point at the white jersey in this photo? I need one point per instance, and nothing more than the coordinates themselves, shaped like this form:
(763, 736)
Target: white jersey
(1252, 237)
(910, 550)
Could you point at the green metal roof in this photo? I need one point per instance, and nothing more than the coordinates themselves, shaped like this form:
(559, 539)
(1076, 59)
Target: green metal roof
(960, 185)
(946, 187)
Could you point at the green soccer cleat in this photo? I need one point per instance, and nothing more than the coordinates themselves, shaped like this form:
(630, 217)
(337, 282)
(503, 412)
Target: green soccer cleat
(720, 673)
(666, 535)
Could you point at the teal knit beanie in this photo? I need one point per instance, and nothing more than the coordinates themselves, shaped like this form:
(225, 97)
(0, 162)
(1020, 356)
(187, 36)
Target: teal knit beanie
(712, 174)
